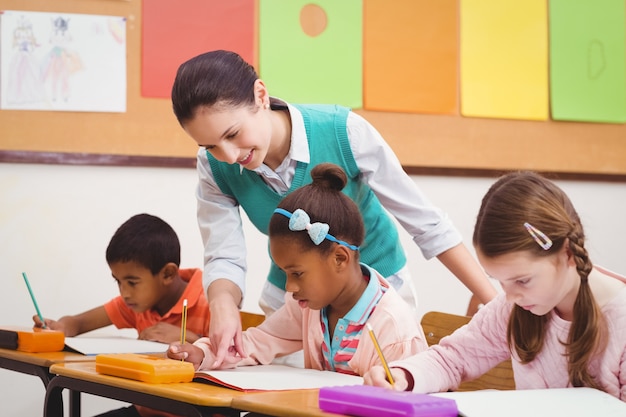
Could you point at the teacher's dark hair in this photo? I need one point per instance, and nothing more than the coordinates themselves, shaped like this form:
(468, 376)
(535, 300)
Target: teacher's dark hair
(212, 78)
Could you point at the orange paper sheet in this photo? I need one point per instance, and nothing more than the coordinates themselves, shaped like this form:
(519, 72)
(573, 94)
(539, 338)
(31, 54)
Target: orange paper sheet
(410, 56)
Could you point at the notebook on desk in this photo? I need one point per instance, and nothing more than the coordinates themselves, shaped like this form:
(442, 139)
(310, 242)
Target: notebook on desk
(570, 402)
(275, 378)
(112, 344)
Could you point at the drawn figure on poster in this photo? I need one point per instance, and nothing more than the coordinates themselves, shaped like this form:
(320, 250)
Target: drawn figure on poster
(24, 79)
(61, 62)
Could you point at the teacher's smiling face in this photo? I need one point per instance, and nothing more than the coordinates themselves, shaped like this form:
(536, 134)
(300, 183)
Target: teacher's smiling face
(235, 135)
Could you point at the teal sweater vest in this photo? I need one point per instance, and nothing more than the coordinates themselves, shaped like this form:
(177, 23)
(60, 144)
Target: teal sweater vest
(328, 142)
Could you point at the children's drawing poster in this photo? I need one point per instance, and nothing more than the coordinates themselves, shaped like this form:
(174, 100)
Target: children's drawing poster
(62, 62)
(175, 31)
(504, 59)
(410, 50)
(312, 52)
(588, 60)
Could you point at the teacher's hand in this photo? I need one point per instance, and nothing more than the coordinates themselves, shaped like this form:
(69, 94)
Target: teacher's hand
(225, 326)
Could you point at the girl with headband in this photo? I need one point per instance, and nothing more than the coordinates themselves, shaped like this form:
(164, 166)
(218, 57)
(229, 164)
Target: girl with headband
(315, 237)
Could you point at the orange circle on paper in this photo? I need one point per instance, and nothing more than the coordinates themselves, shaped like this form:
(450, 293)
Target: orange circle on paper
(313, 20)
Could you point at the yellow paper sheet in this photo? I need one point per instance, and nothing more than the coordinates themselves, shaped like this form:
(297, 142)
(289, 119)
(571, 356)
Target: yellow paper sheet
(504, 59)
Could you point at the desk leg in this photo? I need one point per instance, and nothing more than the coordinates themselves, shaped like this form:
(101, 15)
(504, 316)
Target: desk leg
(74, 403)
(53, 403)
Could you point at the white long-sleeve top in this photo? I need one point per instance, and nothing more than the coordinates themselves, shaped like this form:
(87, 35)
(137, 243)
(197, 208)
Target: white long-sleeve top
(220, 221)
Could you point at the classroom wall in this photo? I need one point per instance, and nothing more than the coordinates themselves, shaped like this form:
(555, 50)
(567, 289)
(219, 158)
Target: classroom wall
(426, 29)
(56, 221)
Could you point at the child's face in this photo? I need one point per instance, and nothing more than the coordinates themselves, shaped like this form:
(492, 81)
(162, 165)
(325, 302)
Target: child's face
(139, 289)
(232, 134)
(536, 284)
(310, 274)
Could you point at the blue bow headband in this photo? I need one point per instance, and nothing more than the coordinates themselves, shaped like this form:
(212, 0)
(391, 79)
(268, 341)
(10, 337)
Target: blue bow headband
(300, 220)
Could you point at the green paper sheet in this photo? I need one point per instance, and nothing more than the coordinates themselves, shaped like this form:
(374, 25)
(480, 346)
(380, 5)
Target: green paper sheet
(299, 68)
(587, 60)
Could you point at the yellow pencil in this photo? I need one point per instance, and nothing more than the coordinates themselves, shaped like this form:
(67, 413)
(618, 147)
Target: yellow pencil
(183, 324)
(380, 353)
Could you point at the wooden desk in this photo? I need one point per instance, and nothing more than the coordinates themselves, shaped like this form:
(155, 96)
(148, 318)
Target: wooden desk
(188, 399)
(298, 403)
(39, 364)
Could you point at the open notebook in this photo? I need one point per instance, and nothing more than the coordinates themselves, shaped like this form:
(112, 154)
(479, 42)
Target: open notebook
(569, 402)
(94, 345)
(275, 378)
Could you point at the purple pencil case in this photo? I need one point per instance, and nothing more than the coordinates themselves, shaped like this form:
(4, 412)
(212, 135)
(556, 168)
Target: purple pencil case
(369, 401)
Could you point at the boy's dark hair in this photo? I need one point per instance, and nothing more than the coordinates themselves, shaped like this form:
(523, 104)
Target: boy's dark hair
(145, 239)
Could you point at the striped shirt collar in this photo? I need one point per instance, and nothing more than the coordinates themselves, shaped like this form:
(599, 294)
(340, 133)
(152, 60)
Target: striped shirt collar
(366, 304)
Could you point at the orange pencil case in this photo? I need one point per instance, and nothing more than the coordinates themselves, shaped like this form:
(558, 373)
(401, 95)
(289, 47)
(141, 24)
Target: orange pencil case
(146, 368)
(34, 340)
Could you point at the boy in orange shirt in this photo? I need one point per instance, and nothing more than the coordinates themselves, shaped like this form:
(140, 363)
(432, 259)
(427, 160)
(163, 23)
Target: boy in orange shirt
(144, 258)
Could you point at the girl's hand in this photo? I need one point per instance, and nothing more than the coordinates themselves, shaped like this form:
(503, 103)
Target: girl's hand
(378, 377)
(231, 359)
(188, 352)
(195, 355)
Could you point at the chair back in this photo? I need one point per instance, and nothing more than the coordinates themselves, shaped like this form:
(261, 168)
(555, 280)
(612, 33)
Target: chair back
(250, 319)
(437, 325)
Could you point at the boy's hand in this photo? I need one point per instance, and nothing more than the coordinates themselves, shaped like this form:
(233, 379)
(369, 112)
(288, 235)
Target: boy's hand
(378, 377)
(81, 323)
(165, 333)
(188, 352)
(49, 324)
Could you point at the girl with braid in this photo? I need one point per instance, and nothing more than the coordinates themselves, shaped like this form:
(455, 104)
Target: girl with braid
(561, 319)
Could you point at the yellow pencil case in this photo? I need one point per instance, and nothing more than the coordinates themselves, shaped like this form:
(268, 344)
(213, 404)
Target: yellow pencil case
(147, 368)
(34, 340)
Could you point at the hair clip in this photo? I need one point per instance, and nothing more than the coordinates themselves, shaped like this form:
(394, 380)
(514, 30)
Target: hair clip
(544, 241)
(317, 231)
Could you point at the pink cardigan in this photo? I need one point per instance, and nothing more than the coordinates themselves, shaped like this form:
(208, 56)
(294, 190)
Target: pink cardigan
(292, 328)
(481, 344)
